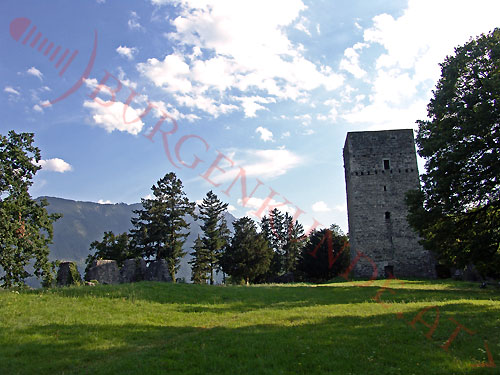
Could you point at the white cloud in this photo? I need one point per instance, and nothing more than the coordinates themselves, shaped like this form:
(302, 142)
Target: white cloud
(251, 106)
(256, 203)
(350, 62)
(320, 206)
(271, 163)
(231, 208)
(265, 134)
(38, 108)
(171, 73)
(35, 72)
(92, 83)
(133, 22)
(102, 201)
(206, 104)
(305, 119)
(127, 52)
(340, 208)
(408, 68)
(262, 164)
(237, 56)
(302, 27)
(110, 116)
(11, 90)
(286, 134)
(123, 79)
(308, 132)
(55, 165)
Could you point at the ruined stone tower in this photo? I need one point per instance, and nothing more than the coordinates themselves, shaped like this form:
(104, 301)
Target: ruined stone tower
(380, 167)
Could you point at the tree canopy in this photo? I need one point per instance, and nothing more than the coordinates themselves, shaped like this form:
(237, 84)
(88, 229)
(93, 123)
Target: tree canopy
(160, 228)
(458, 211)
(25, 226)
(214, 239)
(248, 255)
(326, 254)
(115, 247)
(285, 236)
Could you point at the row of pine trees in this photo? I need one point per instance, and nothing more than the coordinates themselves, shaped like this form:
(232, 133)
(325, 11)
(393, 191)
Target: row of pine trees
(275, 250)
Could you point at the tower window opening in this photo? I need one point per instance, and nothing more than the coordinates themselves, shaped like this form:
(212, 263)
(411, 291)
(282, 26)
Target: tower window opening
(387, 215)
(385, 188)
(387, 165)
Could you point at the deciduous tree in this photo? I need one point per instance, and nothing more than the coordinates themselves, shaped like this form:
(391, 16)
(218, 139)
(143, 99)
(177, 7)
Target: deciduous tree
(25, 226)
(458, 211)
(114, 247)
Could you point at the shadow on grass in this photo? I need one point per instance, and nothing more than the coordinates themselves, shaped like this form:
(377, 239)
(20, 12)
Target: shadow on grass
(342, 345)
(203, 298)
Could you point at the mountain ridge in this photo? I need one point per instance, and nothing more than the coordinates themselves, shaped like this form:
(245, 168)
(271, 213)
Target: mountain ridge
(84, 222)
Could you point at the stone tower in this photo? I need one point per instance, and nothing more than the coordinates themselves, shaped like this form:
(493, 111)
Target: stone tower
(380, 167)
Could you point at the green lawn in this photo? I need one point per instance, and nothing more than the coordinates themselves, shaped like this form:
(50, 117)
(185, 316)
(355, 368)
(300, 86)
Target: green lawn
(338, 328)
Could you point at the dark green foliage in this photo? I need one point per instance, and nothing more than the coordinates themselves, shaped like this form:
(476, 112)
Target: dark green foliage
(25, 226)
(160, 228)
(326, 254)
(215, 236)
(285, 237)
(457, 214)
(113, 247)
(199, 263)
(248, 256)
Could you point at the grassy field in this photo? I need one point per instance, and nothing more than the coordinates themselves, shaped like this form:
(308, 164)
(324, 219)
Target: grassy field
(338, 328)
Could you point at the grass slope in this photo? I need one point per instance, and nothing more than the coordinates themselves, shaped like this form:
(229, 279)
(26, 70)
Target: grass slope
(158, 328)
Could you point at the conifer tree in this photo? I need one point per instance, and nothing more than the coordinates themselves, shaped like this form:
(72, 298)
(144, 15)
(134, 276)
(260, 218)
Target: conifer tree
(160, 228)
(248, 255)
(199, 263)
(285, 238)
(215, 231)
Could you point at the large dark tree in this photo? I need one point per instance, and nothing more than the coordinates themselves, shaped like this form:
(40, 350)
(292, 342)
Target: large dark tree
(248, 255)
(160, 228)
(25, 225)
(215, 234)
(326, 254)
(458, 211)
(284, 236)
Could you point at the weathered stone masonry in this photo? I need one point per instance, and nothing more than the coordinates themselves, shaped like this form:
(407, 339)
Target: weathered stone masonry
(380, 167)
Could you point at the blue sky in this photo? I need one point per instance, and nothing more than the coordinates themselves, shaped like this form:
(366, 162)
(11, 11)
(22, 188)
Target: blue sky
(264, 88)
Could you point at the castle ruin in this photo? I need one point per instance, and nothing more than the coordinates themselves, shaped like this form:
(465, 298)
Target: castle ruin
(380, 167)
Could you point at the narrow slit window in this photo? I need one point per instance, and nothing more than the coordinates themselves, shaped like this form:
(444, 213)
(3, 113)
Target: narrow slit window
(387, 215)
(385, 188)
(387, 165)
